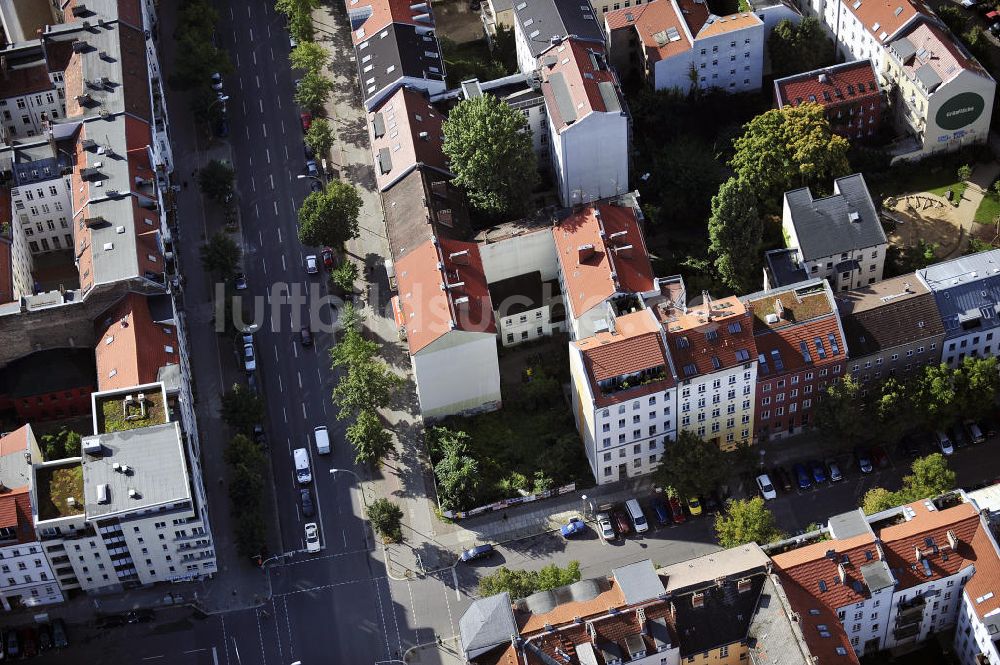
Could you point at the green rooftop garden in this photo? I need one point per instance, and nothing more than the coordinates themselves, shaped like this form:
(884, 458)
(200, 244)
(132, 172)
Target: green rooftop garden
(118, 413)
(56, 485)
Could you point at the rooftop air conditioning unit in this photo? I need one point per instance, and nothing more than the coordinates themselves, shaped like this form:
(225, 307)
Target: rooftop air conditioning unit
(92, 446)
(132, 494)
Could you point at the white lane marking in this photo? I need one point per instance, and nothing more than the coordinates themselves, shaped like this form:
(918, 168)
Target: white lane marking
(288, 624)
(276, 212)
(248, 16)
(324, 587)
(378, 596)
(276, 358)
(269, 48)
(264, 128)
(261, 104)
(267, 153)
(271, 176)
(298, 517)
(274, 613)
(292, 199)
(295, 349)
(215, 657)
(244, 103)
(194, 650)
(413, 611)
(152, 657)
(320, 377)
(263, 262)
(278, 99)
(289, 442)
(283, 266)
(284, 415)
(254, 54)
(257, 79)
(253, 185)
(299, 374)
(250, 158)
(225, 639)
(281, 388)
(260, 236)
(231, 14)
(344, 532)
(324, 406)
(276, 78)
(240, 80)
(286, 153)
(236, 649)
(279, 228)
(454, 577)
(237, 57)
(251, 29)
(282, 122)
(304, 410)
(248, 131)
(269, 34)
(395, 621)
(260, 631)
(256, 211)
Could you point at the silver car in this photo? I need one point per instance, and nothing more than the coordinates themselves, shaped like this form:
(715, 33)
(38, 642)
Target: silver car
(607, 530)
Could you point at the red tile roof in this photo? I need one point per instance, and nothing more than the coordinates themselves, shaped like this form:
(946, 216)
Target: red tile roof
(812, 615)
(430, 310)
(370, 16)
(986, 581)
(843, 84)
(690, 336)
(886, 16)
(619, 262)
(135, 351)
(654, 19)
(15, 513)
(15, 442)
(731, 23)
(901, 540)
(809, 565)
(939, 51)
(583, 67)
(408, 129)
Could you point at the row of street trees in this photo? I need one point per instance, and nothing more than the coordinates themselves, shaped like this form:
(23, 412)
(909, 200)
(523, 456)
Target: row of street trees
(299, 15)
(367, 386)
(198, 57)
(241, 410)
(933, 399)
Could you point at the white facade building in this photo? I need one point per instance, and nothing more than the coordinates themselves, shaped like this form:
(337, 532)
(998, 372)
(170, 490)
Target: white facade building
(42, 197)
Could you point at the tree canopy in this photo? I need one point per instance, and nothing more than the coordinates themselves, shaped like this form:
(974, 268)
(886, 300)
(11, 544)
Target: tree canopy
(215, 180)
(367, 385)
(746, 521)
(457, 472)
(241, 409)
(197, 57)
(371, 441)
(60, 445)
(330, 217)
(521, 583)
(489, 147)
(735, 232)
(930, 476)
(299, 13)
(386, 518)
(313, 91)
(309, 56)
(221, 255)
(691, 466)
(839, 416)
(799, 48)
(319, 137)
(787, 148)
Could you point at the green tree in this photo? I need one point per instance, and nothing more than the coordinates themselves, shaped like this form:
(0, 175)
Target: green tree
(313, 91)
(976, 245)
(746, 521)
(457, 472)
(735, 232)
(299, 13)
(371, 441)
(840, 415)
(930, 477)
(367, 385)
(196, 56)
(215, 180)
(799, 48)
(878, 499)
(976, 384)
(246, 487)
(309, 56)
(934, 397)
(220, 255)
(330, 217)
(387, 519)
(518, 583)
(344, 276)
(489, 147)
(686, 174)
(891, 407)
(241, 450)
(251, 533)
(353, 349)
(60, 445)
(954, 18)
(319, 137)
(241, 409)
(786, 148)
(553, 577)
(691, 465)
(964, 171)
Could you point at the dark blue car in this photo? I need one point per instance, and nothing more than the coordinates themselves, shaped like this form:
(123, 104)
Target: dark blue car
(802, 476)
(818, 472)
(573, 527)
(662, 512)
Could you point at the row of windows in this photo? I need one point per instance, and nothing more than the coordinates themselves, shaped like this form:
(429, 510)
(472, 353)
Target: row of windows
(964, 342)
(636, 450)
(745, 418)
(780, 411)
(780, 397)
(56, 244)
(636, 464)
(732, 44)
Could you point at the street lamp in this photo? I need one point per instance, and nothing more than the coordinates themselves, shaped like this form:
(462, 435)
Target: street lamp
(220, 98)
(303, 176)
(583, 498)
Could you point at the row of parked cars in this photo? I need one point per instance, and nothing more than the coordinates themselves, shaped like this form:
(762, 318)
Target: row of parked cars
(31, 640)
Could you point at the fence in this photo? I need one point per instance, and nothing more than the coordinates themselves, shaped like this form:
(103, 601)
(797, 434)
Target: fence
(503, 504)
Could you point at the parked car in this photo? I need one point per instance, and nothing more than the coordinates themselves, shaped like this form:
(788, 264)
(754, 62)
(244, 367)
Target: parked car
(607, 529)
(711, 502)
(315, 186)
(305, 336)
(835, 474)
(109, 621)
(969, 4)
(676, 511)
(311, 168)
(958, 438)
(765, 487)
(312, 266)
(307, 120)
(44, 636)
(661, 511)
(249, 358)
(620, 520)
(216, 81)
(140, 616)
(992, 16)
(308, 151)
(818, 472)
(312, 537)
(974, 432)
(802, 476)
(483, 551)
(694, 506)
(13, 644)
(59, 638)
(240, 281)
(327, 256)
(880, 457)
(306, 499)
(782, 478)
(864, 459)
(29, 642)
(292, 42)
(910, 445)
(259, 436)
(995, 29)
(573, 527)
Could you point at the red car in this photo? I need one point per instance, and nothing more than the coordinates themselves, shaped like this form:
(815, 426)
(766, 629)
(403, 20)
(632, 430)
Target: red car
(307, 120)
(880, 457)
(676, 511)
(622, 522)
(328, 258)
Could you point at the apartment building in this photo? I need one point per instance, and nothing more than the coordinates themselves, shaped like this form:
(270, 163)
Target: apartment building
(32, 91)
(838, 238)
(624, 397)
(893, 329)
(521, 93)
(40, 193)
(966, 290)
(602, 255)
(849, 93)
(588, 122)
(447, 315)
(942, 95)
(702, 609)
(405, 134)
(26, 577)
(538, 24)
(679, 44)
(801, 348)
(893, 579)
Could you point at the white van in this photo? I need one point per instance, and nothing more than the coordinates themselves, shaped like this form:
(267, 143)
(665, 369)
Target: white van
(322, 440)
(638, 519)
(302, 472)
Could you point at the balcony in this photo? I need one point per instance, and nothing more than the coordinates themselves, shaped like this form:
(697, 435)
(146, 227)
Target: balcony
(628, 381)
(907, 632)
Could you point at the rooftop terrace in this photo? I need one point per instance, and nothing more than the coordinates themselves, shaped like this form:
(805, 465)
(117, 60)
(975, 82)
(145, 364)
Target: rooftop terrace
(55, 485)
(132, 409)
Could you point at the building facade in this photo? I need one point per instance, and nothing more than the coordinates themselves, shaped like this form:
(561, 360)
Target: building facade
(849, 93)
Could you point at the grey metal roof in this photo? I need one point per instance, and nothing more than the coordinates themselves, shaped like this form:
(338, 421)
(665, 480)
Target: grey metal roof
(638, 581)
(706, 569)
(542, 20)
(966, 289)
(395, 52)
(903, 48)
(546, 601)
(773, 639)
(158, 470)
(488, 623)
(849, 524)
(784, 267)
(610, 96)
(15, 469)
(827, 227)
(564, 100)
(928, 78)
(877, 575)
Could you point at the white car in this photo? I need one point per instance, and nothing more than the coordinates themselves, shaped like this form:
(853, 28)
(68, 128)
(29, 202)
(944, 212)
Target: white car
(766, 488)
(312, 537)
(969, 4)
(249, 358)
(312, 265)
(607, 530)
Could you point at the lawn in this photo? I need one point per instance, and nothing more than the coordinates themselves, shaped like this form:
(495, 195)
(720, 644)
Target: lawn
(113, 416)
(989, 209)
(55, 485)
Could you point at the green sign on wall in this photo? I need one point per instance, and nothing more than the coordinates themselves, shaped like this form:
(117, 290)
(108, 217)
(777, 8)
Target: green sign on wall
(960, 111)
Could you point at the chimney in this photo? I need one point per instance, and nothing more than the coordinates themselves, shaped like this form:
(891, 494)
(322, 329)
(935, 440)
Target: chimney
(698, 600)
(779, 309)
(842, 572)
(919, 554)
(952, 540)
(52, 145)
(625, 251)
(822, 77)
(706, 301)
(584, 252)
(743, 585)
(640, 617)
(460, 258)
